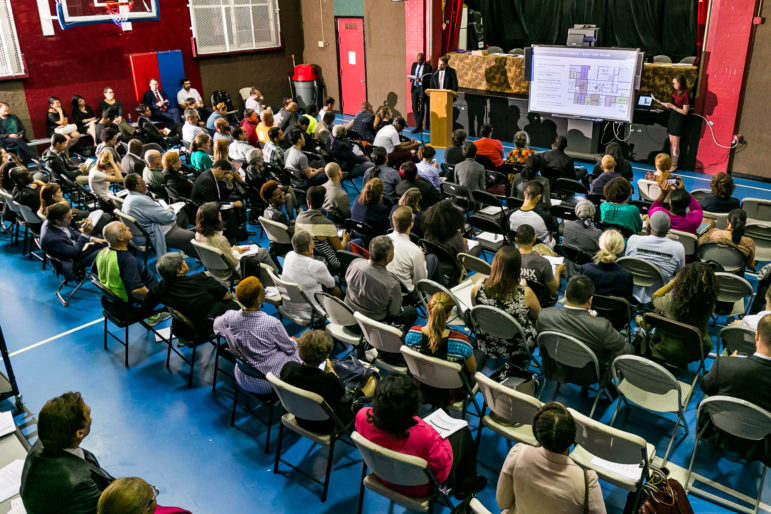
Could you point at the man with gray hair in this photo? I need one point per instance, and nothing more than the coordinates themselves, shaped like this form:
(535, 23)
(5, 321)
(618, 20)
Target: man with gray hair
(191, 128)
(313, 276)
(342, 150)
(667, 254)
(153, 172)
(373, 291)
(336, 199)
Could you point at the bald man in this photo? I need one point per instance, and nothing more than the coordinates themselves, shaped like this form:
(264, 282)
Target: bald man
(608, 165)
(153, 172)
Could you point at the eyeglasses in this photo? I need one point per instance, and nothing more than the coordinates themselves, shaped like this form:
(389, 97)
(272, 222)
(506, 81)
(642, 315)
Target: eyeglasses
(151, 503)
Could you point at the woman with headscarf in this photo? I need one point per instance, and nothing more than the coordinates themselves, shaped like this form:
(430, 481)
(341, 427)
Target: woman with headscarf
(581, 233)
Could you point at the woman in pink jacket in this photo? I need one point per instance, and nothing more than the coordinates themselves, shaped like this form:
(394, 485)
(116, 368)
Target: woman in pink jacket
(684, 211)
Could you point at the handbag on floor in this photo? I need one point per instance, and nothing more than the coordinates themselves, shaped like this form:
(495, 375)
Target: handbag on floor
(516, 378)
(660, 495)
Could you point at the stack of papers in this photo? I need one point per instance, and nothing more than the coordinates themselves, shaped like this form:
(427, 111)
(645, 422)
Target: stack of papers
(629, 471)
(250, 250)
(10, 479)
(489, 237)
(445, 424)
(491, 210)
(176, 206)
(555, 261)
(7, 426)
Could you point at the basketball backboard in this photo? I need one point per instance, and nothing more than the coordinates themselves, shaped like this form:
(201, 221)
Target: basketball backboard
(72, 13)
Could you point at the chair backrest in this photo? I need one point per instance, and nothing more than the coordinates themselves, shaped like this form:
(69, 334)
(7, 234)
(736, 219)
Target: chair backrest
(721, 218)
(245, 93)
(428, 288)
(496, 323)
(337, 311)
(303, 404)
(606, 442)
(736, 338)
(513, 203)
(644, 375)
(688, 335)
(662, 58)
(568, 352)
(644, 273)
(700, 193)
(456, 192)
(688, 60)
(649, 189)
(689, 241)
(361, 227)
(564, 212)
(213, 259)
(757, 209)
(28, 214)
(392, 466)
(573, 254)
(485, 198)
(277, 232)
(486, 224)
(136, 230)
(380, 336)
(359, 250)
(614, 309)
(432, 371)
(14, 206)
(732, 288)
(292, 292)
(739, 418)
(568, 187)
(730, 258)
(495, 50)
(511, 405)
(759, 233)
(475, 264)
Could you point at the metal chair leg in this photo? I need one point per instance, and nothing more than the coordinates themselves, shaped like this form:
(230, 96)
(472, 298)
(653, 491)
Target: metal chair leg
(235, 406)
(330, 460)
(125, 363)
(270, 425)
(278, 449)
(361, 486)
(192, 367)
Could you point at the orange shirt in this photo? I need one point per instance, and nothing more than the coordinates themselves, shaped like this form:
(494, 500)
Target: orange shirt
(490, 148)
(262, 132)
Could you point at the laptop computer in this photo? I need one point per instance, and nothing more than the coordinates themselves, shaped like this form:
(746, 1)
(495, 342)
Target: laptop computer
(644, 102)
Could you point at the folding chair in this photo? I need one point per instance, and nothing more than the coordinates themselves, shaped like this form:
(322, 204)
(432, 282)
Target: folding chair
(689, 241)
(293, 293)
(573, 254)
(278, 235)
(470, 263)
(19, 221)
(31, 220)
(444, 258)
(699, 194)
(649, 190)
(721, 218)
(563, 212)
(761, 235)
(425, 289)
(136, 232)
(457, 194)
(616, 310)
(216, 265)
(738, 418)
(757, 209)
(440, 374)
(734, 295)
(299, 403)
(490, 205)
(192, 336)
(565, 360)
(476, 505)
(650, 386)
(383, 338)
(729, 258)
(491, 235)
(79, 276)
(644, 273)
(399, 469)
(625, 231)
(360, 229)
(736, 339)
(494, 322)
(340, 317)
(567, 189)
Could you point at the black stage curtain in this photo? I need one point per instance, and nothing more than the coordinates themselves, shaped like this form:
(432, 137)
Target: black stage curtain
(655, 26)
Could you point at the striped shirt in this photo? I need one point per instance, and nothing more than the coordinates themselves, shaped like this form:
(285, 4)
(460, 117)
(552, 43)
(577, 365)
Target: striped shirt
(456, 346)
(261, 340)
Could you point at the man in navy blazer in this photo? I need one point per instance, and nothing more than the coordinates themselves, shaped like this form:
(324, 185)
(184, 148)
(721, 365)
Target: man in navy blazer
(60, 240)
(160, 106)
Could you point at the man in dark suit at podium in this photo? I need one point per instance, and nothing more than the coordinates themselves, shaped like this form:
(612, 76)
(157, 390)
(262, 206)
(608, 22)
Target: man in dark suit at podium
(444, 77)
(419, 69)
(160, 107)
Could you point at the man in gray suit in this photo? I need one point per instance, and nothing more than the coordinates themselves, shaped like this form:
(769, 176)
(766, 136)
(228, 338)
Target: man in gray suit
(469, 173)
(578, 320)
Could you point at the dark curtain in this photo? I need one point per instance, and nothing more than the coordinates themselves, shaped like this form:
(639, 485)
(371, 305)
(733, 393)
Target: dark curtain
(655, 26)
(453, 12)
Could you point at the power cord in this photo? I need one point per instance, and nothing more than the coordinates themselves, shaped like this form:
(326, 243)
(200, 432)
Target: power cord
(734, 142)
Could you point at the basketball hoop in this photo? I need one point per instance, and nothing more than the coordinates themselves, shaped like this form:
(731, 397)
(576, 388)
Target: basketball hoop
(119, 10)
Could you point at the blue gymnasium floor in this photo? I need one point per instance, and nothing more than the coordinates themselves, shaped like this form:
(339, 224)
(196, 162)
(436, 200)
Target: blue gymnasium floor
(147, 423)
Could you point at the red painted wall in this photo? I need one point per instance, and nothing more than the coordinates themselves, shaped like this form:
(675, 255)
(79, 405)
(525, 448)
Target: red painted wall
(83, 60)
(415, 42)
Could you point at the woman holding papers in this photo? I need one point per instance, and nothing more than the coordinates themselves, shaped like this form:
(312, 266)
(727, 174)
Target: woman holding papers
(392, 422)
(681, 102)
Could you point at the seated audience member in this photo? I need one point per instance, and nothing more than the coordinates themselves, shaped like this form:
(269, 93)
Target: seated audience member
(162, 110)
(266, 123)
(608, 165)
(215, 185)
(529, 214)
(329, 106)
(685, 212)
(282, 113)
(254, 101)
(558, 160)
(26, 190)
(58, 123)
(536, 270)
(249, 125)
(165, 228)
(56, 159)
(363, 123)
(312, 111)
(336, 200)
(220, 152)
(529, 173)
(173, 176)
(339, 148)
(314, 347)
(219, 112)
(660, 173)
(576, 319)
(191, 128)
(411, 198)
(443, 225)
(610, 279)
(521, 152)
(302, 126)
(502, 289)
(428, 167)
(429, 194)
(59, 475)
(313, 276)
(110, 103)
(372, 290)
(469, 173)
(222, 131)
(616, 211)
(239, 146)
(388, 137)
(51, 194)
(257, 337)
(751, 321)
(110, 137)
(83, 117)
(13, 135)
(732, 235)
(454, 154)
(273, 194)
(667, 254)
(153, 171)
(296, 163)
(409, 264)
(720, 200)
(149, 132)
(689, 298)
(60, 240)
(208, 228)
(199, 297)
(487, 147)
(393, 422)
(323, 230)
(747, 379)
(384, 116)
(187, 92)
(623, 167)
(132, 162)
(544, 478)
(131, 495)
(289, 119)
(324, 129)
(582, 233)
(387, 175)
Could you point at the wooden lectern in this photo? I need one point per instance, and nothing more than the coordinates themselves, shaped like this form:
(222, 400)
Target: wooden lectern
(441, 116)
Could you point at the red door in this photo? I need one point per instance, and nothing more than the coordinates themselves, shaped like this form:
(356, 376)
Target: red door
(350, 55)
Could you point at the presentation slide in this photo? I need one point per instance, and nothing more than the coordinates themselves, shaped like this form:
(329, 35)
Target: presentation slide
(587, 82)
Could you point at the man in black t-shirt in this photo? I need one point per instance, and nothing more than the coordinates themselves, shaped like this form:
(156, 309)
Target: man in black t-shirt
(537, 270)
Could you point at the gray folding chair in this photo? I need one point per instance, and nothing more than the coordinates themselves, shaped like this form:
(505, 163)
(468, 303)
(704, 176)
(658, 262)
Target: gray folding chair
(738, 418)
(650, 386)
(700, 193)
(731, 259)
(293, 293)
(216, 265)
(565, 359)
(757, 209)
(476, 505)
(137, 233)
(192, 337)
(662, 58)
(427, 288)
(689, 241)
(688, 60)
(644, 273)
(721, 218)
(494, 322)
(399, 469)
(480, 267)
(276, 232)
(761, 235)
(734, 295)
(299, 403)
(440, 374)
(31, 219)
(383, 338)
(736, 339)
(340, 318)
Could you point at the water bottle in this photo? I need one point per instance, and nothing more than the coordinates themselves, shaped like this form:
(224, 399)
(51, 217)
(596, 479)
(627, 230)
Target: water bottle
(130, 119)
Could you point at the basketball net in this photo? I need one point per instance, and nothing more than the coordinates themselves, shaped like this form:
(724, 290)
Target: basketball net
(119, 11)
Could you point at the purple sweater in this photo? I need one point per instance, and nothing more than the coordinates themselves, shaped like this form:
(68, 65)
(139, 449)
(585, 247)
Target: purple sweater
(688, 223)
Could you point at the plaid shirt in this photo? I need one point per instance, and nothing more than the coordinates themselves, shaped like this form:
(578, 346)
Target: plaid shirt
(261, 340)
(363, 125)
(274, 154)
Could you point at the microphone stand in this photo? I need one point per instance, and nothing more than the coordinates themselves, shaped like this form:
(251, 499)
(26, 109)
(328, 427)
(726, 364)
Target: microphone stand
(423, 101)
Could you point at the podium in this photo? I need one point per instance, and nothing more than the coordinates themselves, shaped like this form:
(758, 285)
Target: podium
(441, 116)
